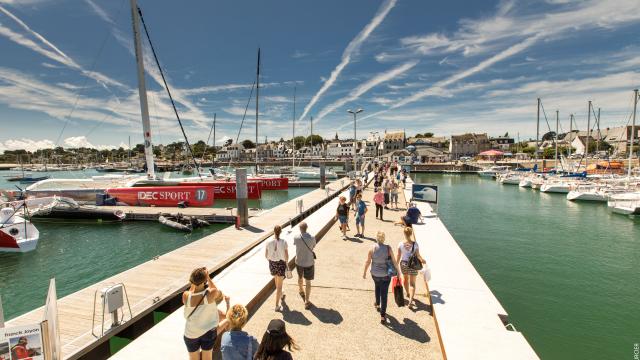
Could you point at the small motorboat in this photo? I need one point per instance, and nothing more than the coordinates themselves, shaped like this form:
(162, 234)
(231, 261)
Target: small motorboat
(66, 208)
(182, 223)
(16, 233)
(27, 179)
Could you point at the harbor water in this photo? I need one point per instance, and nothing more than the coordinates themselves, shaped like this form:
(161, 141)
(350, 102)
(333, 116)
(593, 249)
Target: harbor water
(79, 253)
(567, 273)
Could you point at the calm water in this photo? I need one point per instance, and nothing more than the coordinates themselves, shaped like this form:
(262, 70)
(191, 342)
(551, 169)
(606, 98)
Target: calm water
(567, 273)
(80, 254)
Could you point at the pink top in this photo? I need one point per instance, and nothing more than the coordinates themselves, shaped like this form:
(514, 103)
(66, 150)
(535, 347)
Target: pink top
(378, 198)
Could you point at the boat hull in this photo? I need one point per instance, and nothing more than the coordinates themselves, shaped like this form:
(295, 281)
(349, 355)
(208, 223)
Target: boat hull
(198, 195)
(14, 238)
(227, 189)
(586, 196)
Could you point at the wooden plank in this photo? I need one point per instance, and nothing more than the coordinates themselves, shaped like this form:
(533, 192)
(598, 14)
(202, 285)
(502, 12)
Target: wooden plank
(163, 277)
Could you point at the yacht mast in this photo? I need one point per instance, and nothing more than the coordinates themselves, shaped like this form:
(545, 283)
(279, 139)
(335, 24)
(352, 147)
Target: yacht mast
(538, 131)
(586, 151)
(293, 139)
(142, 92)
(257, 102)
(557, 126)
(633, 129)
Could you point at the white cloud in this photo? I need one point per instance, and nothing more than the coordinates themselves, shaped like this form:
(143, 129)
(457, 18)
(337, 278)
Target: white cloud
(78, 142)
(299, 54)
(26, 144)
(349, 51)
(99, 11)
(366, 86)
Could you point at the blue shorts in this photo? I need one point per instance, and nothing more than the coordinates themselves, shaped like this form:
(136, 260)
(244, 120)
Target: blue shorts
(343, 219)
(204, 342)
(360, 220)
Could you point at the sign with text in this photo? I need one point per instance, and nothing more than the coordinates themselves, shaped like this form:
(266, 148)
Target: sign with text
(424, 192)
(21, 342)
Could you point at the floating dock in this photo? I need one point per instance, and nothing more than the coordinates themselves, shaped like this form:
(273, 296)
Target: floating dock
(156, 285)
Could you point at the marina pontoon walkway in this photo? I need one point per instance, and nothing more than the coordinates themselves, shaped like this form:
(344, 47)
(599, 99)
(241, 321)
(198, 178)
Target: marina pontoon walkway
(342, 322)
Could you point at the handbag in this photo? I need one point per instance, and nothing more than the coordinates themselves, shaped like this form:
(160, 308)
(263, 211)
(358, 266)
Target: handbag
(427, 274)
(391, 269)
(288, 274)
(398, 292)
(414, 262)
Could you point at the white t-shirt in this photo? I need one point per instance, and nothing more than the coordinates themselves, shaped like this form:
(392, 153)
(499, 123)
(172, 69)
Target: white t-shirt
(275, 249)
(406, 253)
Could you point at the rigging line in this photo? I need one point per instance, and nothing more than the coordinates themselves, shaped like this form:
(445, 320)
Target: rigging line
(166, 86)
(245, 110)
(545, 115)
(86, 80)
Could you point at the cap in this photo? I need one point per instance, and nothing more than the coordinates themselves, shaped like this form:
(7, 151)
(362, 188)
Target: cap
(276, 327)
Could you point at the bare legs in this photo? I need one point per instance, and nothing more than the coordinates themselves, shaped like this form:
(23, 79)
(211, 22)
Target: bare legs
(410, 286)
(278, 280)
(306, 290)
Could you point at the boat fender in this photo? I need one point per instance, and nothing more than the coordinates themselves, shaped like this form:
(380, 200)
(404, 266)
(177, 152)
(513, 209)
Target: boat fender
(14, 231)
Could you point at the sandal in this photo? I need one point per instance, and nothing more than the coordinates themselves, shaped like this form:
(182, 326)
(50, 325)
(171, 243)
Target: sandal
(307, 305)
(383, 320)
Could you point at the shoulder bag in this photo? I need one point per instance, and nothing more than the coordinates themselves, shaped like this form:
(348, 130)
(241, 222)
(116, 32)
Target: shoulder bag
(391, 269)
(414, 262)
(305, 244)
(199, 302)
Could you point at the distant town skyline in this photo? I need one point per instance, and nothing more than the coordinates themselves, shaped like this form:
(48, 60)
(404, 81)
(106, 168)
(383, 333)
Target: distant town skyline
(67, 74)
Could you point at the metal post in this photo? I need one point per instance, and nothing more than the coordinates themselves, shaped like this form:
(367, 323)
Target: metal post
(323, 178)
(355, 145)
(142, 92)
(1, 314)
(257, 107)
(557, 127)
(241, 196)
(538, 132)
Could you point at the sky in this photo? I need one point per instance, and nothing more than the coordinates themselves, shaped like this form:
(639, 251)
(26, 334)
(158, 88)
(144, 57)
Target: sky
(68, 72)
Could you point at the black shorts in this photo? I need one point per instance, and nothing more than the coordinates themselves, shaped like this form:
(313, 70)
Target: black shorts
(204, 342)
(306, 272)
(407, 221)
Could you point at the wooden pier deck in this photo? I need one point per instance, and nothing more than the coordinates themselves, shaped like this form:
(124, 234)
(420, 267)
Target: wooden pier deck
(160, 281)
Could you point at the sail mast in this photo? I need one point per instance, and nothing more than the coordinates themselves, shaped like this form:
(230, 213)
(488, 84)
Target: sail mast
(142, 92)
(293, 139)
(633, 130)
(586, 151)
(538, 131)
(557, 126)
(257, 107)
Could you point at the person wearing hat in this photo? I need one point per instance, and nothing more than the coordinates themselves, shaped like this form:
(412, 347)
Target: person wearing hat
(274, 341)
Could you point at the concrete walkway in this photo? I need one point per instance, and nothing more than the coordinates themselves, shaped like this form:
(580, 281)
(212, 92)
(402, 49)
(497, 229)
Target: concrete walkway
(343, 323)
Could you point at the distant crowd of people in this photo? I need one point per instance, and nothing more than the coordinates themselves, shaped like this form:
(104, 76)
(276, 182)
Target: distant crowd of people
(205, 323)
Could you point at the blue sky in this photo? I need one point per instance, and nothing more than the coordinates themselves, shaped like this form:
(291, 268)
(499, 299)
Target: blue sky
(445, 67)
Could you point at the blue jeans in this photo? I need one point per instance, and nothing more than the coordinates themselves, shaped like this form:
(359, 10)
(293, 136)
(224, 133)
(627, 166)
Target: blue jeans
(382, 292)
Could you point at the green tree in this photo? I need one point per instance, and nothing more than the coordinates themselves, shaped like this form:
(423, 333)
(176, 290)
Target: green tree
(199, 148)
(248, 144)
(299, 141)
(317, 139)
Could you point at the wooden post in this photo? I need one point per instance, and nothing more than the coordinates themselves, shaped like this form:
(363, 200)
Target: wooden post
(241, 196)
(1, 314)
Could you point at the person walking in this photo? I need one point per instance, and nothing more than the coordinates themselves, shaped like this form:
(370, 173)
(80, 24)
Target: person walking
(352, 195)
(361, 211)
(394, 194)
(237, 344)
(386, 188)
(203, 325)
(342, 215)
(378, 199)
(381, 260)
(305, 261)
(274, 341)
(406, 250)
(277, 252)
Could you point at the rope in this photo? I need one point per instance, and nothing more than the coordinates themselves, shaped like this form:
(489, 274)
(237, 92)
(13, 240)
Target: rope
(166, 86)
(245, 111)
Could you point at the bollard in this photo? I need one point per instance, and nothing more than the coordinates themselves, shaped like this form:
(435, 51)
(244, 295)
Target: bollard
(241, 197)
(323, 176)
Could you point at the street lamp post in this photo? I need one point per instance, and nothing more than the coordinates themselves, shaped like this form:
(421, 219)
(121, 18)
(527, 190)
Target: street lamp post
(355, 138)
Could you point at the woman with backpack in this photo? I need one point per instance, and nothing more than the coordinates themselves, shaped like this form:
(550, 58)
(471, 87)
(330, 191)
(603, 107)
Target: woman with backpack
(383, 266)
(203, 325)
(411, 262)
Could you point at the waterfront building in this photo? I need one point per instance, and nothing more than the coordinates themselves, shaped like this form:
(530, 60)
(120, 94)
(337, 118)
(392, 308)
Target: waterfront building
(580, 144)
(266, 151)
(428, 154)
(501, 142)
(468, 145)
(402, 156)
(391, 141)
(438, 142)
